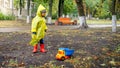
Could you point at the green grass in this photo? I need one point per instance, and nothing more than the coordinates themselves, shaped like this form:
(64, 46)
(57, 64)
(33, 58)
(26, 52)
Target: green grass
(97, 22)
(100, 22)
(6, 17)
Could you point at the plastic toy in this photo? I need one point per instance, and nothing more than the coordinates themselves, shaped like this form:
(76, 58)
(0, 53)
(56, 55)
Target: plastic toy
(64, 53)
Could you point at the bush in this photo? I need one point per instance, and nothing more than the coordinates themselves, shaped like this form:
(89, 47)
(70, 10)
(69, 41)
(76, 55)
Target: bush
(54, 16)
(118, 16)
(6, 17)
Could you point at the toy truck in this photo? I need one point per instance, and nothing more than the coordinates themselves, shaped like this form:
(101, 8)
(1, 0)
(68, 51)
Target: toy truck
(64, 53)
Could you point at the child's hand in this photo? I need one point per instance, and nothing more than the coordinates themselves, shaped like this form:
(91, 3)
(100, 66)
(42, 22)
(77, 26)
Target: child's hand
(45, 30)
(34, 33)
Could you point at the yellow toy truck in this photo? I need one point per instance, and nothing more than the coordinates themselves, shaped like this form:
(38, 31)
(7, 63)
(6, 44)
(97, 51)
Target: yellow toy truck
(64, 53)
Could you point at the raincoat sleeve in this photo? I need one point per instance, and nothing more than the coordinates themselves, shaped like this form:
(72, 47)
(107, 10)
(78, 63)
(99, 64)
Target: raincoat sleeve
(46, 27)
(34, 25)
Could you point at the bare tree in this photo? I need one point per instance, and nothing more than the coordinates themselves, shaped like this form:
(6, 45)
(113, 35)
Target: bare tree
(82, 17)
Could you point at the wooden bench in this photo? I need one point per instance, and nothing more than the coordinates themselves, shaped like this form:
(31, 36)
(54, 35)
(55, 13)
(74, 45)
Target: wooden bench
(62, 21)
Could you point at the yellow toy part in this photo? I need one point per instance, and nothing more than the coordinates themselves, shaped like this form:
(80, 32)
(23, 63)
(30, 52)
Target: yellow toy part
(60, 55)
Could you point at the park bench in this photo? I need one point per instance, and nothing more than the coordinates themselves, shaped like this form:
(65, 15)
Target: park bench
(62, 21)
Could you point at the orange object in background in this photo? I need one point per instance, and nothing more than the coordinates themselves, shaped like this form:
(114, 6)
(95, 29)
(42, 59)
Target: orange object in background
(62, 21)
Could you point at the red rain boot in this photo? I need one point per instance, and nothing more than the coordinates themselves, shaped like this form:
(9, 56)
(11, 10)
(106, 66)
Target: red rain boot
(35, 48)
(42, 48)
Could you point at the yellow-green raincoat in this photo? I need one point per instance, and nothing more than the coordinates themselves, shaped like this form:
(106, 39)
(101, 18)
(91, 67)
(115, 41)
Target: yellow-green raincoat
(38, 26)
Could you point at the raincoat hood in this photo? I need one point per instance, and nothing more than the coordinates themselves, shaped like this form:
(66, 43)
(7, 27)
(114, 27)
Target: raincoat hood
(40, 8)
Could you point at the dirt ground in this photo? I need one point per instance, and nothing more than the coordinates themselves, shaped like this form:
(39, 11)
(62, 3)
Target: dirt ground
(94, 48)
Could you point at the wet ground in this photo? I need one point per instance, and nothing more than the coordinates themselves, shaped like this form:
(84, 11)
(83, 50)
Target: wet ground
(94, 48)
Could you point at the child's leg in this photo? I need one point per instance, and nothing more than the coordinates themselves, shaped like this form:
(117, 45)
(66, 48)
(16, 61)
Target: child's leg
(42, 48)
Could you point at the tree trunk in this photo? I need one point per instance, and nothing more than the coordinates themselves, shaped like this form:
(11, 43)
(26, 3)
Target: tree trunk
(20, 10)
(60, 8)
(19, 14)
(28, 13)
(11, 6)
(82, 17)
(89, 14)
(33, 8)
(50, 12)
(20, 7)
(113, 16)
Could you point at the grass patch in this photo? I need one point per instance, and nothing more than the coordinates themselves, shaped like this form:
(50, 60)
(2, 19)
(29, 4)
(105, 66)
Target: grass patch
(100, 22)
(118, 48)
(13, 23)
(6, 17)
(97, 22)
